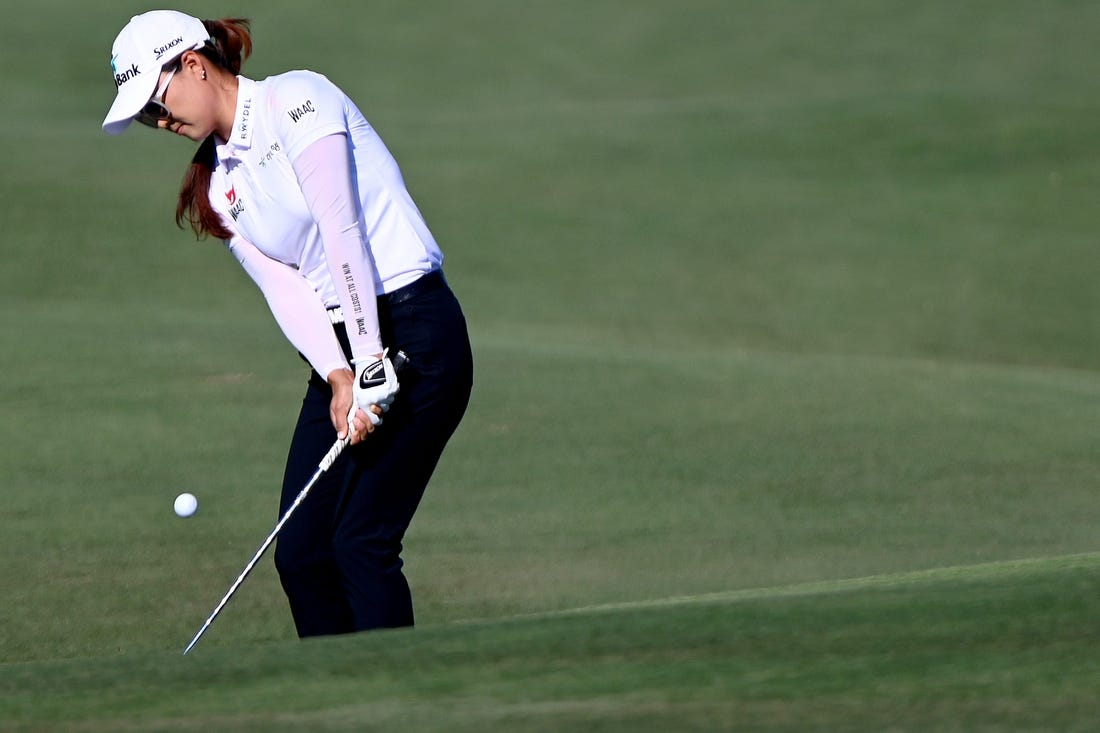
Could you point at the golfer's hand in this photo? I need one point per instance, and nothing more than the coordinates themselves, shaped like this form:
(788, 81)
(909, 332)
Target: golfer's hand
(375, 385)
(346, 416)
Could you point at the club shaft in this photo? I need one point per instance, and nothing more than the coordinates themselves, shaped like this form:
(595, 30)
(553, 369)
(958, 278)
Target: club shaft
(399, 360)
(333, 453)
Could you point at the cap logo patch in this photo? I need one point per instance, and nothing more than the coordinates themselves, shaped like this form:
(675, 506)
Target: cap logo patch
(161, 50)
(125, 76)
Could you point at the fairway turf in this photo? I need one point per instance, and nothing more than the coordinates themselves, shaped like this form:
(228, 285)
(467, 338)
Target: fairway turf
(765, 297)
(998, 647)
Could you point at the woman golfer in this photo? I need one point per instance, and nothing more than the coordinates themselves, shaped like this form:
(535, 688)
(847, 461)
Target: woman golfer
(306, 196)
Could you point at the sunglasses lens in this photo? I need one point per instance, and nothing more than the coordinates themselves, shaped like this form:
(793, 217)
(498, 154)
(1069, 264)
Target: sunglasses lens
(152, 113)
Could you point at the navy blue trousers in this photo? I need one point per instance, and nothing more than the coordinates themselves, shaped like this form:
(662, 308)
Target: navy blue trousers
(339, 555)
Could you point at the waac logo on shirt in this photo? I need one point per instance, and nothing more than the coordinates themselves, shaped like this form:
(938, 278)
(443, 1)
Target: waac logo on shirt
(301, 111)
(236, 206)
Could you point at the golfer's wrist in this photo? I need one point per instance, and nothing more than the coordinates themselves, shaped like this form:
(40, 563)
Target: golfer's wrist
(340, 377)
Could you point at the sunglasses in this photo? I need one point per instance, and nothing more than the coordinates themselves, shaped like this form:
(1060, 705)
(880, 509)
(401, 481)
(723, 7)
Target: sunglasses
(155, 110)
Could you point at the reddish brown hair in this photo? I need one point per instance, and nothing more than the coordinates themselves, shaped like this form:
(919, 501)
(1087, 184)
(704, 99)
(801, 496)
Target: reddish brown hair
(230, 45)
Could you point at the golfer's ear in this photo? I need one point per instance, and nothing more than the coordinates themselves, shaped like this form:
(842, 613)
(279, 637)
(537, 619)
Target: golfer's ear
(192, 63)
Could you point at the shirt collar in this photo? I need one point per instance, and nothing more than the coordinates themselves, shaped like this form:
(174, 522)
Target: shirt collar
(244, 119)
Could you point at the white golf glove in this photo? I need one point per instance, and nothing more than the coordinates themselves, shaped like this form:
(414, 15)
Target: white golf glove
(375, 384)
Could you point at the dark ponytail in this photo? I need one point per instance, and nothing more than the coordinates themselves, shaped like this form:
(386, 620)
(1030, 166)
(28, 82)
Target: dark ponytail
(232, 42)
(230, 45)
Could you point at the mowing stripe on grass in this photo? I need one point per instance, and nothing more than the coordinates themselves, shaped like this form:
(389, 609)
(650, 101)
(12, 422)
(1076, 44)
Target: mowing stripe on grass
(1001, 569)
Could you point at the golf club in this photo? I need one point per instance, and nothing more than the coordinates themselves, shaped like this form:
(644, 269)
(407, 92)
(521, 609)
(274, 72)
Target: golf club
(399, 361)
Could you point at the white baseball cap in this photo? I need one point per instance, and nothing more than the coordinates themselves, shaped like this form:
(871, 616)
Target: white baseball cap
(149, 42)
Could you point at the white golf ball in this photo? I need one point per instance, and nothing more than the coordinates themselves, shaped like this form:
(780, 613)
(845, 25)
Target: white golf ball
(185, 505)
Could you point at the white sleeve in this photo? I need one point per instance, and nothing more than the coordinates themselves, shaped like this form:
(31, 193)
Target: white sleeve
(296, 306)
(324, 171)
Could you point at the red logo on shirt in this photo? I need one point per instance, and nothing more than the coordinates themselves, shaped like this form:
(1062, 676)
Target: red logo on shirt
(231, 194)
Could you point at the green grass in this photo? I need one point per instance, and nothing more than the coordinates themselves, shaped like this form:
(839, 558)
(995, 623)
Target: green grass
(763, 295)
(1007, 646)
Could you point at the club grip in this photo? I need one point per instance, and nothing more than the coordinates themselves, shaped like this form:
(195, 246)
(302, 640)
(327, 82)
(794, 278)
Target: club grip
(399, 360)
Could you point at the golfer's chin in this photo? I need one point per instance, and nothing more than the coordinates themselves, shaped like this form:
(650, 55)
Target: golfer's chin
(182, 129)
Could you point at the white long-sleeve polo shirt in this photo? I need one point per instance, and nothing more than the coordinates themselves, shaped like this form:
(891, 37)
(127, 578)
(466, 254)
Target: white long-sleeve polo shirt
(319, 212)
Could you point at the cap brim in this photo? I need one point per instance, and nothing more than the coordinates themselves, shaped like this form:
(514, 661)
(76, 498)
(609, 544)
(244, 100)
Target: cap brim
(130, 99)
